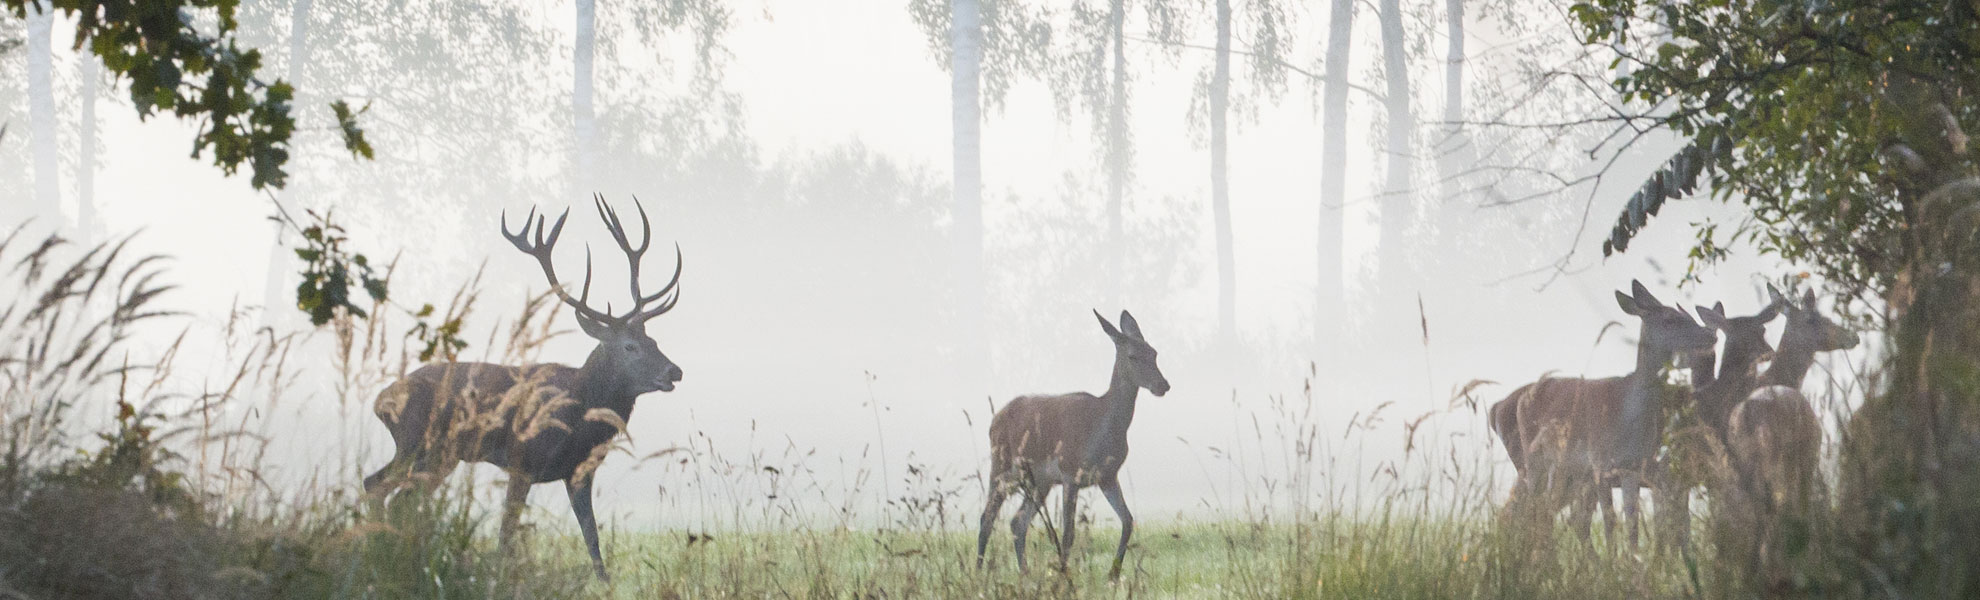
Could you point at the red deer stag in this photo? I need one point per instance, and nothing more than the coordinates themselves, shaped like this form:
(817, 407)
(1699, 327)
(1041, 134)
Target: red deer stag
(1574, 434)
(1072, 440)
(539, 423)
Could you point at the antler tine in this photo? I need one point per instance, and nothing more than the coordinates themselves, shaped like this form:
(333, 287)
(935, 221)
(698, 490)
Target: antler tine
(668, 296)
(542, 248)
(634, 255)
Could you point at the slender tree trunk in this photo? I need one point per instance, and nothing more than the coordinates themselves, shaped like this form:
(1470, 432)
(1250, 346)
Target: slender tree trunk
(87, 226)
(1330, 304)
(1455, 154)
(584, 123)
(41, 115)
(1117, 152)
(275, 288)
(1397, 208)
(965, 38)
(1220, 188)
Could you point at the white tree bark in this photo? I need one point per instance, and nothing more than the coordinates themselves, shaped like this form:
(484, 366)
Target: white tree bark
(1330, 305)
(1397, 208)
(88, 224)
(1117, 152)
(966, 71)
(1220, 189)
(276, 291)
(41, 115)
(584, 121)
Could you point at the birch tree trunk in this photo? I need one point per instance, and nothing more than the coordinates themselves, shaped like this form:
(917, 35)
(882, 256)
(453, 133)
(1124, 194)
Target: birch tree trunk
(41, 115)
(1397, 208)
(1220, 189)
(276, 291)
(88, 227)
(584, 123)
(1117, 152)
(1330, 302)
(965, 37)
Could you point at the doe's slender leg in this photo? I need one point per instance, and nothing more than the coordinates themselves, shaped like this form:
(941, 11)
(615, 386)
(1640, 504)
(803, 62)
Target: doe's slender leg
(1112, 489)
(1070, 520)
(1021, 524)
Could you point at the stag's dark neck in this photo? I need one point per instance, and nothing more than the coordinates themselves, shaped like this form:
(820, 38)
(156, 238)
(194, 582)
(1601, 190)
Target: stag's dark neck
(1790, 366)
(600, 385)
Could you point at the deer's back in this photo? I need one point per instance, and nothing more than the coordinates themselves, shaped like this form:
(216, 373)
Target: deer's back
(463, 397)
(1565, 417)
(1504, 420)
(1776, 429)
(1045, 430)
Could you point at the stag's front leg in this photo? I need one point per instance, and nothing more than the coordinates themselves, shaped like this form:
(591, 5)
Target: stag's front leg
(581, 504)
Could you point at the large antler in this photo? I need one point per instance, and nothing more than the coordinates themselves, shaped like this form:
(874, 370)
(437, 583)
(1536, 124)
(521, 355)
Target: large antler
(667, 296)
(542, 248)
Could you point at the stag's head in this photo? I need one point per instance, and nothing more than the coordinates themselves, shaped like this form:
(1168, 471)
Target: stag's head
(1666, 330)
(1807, 328)
(624, 348)
(1745, 336)
(1133, 349)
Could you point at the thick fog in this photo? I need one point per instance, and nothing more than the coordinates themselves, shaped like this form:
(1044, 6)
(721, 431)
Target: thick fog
(803, 169)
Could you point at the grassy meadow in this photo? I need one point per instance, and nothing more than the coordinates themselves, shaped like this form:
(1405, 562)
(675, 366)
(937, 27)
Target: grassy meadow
(163, 500)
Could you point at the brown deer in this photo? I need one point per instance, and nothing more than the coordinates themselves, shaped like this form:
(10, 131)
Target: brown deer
(539, 423)
(1774, 435)
(1574, 434)
(1072, 440)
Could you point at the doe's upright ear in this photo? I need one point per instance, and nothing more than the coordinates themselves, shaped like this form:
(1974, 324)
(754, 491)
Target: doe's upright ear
(1808, 299)
(1107, 327)
(1628, 304)
(1714, 316)
(1129, 326)
(1642, 295)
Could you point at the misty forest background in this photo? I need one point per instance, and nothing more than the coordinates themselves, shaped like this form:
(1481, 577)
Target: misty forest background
(1332, 218)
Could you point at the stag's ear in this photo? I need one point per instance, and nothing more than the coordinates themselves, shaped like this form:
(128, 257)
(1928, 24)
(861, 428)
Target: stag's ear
(1628, 304)
(1107, 327)
(1642, 295)
(1130, 327)
(1714, 316)
(592, 328)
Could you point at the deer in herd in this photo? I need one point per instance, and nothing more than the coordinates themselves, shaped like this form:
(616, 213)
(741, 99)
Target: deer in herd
(1774, 435)
(1574, 435)
(1746, 345)
(1072, 440)
(539, 423)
